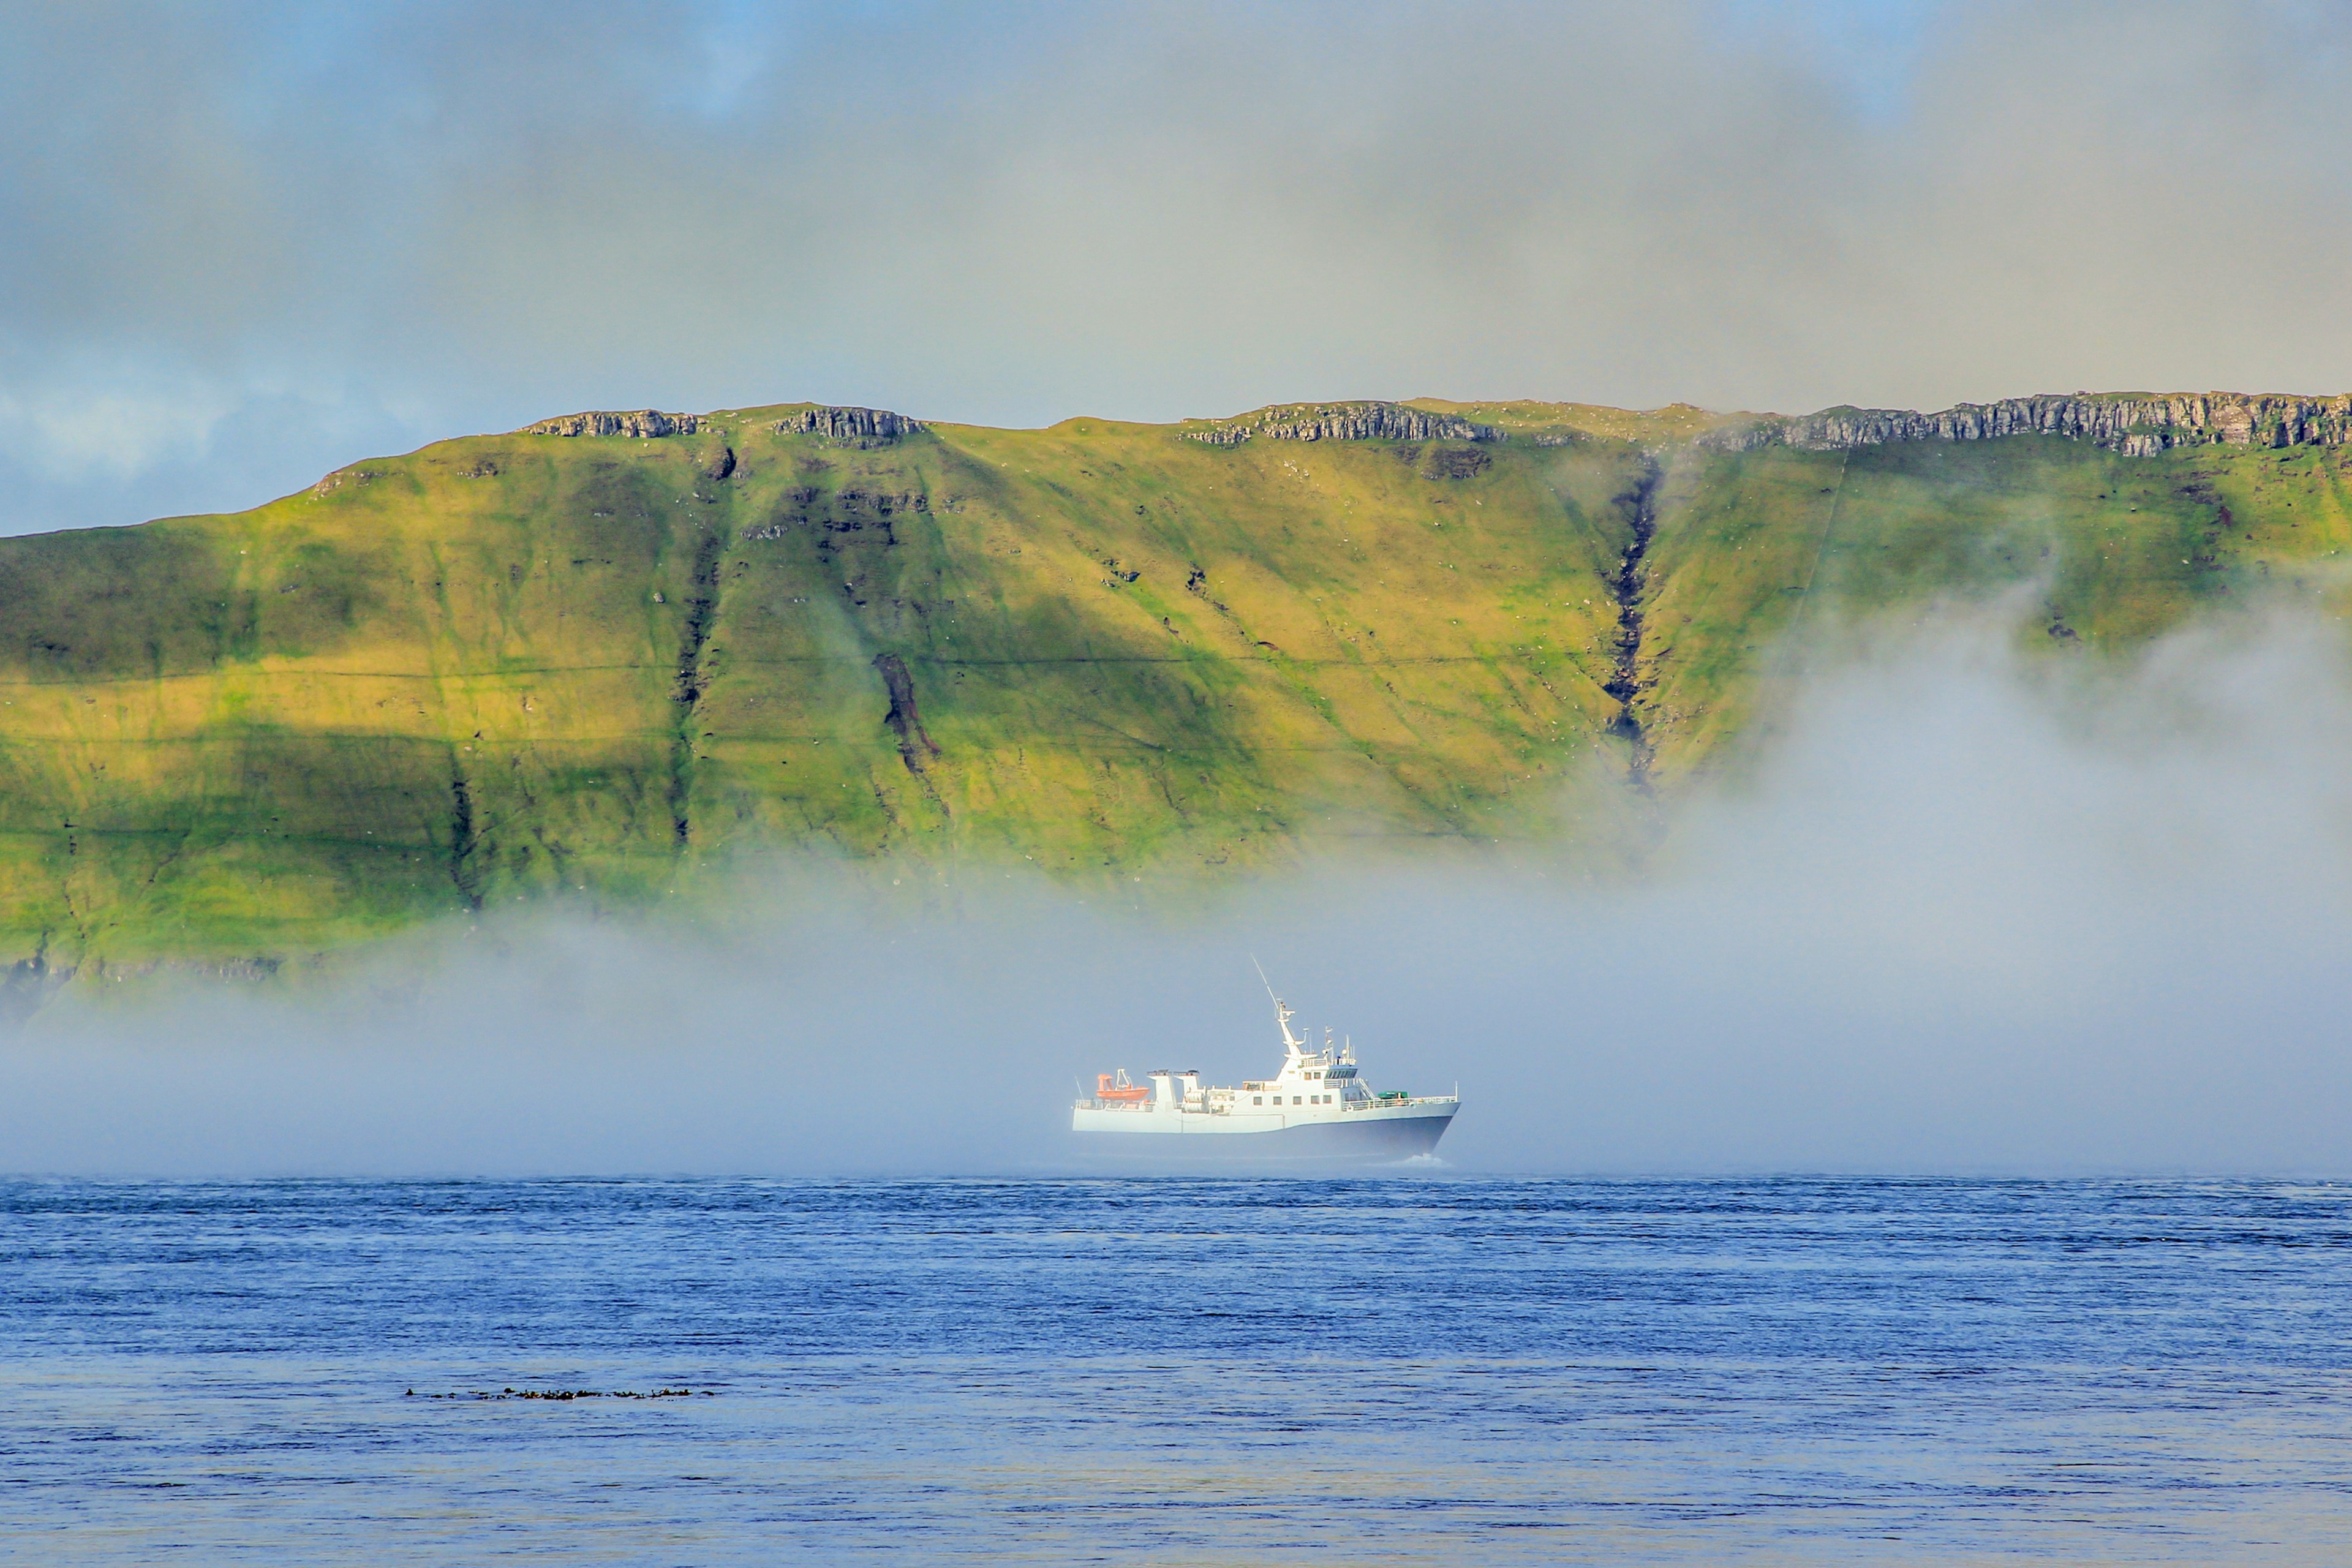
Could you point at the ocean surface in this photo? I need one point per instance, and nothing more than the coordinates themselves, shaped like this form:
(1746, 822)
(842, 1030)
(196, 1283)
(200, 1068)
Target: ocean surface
(1408, 1371)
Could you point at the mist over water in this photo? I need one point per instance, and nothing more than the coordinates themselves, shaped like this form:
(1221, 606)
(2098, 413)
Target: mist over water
(1957, 910)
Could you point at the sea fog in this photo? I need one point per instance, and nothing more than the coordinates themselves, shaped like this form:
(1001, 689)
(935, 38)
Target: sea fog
(1956, 909)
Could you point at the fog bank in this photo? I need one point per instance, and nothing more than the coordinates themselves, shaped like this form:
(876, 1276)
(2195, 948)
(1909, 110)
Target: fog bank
(1963, 911)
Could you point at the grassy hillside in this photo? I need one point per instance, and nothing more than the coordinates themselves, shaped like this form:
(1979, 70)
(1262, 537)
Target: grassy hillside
(509, 664)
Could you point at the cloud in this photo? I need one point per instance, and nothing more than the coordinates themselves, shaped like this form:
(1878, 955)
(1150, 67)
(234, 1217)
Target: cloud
(119, 433)
(141, 440)
(477, 217)
(1965, 912)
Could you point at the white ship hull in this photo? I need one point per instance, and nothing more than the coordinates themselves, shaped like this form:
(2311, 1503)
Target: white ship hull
(1378, 1135)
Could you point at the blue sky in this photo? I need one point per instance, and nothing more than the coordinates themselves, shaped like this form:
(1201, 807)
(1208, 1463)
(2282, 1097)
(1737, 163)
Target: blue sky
(243, 244)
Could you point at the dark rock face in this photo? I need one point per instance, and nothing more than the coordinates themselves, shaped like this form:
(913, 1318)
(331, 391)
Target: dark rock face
(2136, 425)
(1455, 463)
(642, 423)
(858, 426)
(1346, 422)
(27, 983)
(905, 722)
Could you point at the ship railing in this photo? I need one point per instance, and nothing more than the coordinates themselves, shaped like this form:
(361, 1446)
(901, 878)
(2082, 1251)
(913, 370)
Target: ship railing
(1227, 1109)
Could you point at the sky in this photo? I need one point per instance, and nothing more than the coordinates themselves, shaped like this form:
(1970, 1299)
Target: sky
(243, 244)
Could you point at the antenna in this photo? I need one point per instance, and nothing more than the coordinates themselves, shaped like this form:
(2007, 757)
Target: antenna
(1264, 981)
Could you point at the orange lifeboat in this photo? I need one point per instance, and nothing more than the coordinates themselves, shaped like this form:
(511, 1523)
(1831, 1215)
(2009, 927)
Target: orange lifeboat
(1114, 1087)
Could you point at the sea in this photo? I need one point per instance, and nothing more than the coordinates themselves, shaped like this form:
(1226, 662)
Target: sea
(1423, 1369)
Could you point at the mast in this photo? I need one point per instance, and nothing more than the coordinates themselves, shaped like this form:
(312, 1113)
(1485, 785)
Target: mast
(1282, 1015)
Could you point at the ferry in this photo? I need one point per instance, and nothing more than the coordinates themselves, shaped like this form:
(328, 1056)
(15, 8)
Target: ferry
(1318, 1107)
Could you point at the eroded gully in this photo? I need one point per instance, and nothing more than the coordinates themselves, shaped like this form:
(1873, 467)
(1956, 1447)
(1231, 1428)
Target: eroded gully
(1639, 507)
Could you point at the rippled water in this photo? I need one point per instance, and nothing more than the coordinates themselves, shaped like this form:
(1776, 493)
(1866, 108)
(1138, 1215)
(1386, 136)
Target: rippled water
(1440, 1371)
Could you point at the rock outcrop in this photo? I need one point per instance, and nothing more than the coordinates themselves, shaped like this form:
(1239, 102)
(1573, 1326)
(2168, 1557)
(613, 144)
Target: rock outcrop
(1345, 422)
(2130, 423)
(862, 427)
(642, 423)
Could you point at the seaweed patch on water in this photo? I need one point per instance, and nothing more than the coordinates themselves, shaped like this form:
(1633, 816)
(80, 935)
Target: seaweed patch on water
(567, 1393)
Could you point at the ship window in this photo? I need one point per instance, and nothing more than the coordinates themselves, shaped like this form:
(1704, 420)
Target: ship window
(1297, 1099)
(1258, 1099)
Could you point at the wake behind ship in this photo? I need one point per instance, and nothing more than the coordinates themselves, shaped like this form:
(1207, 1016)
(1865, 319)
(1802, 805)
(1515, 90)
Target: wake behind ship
(1317, 1107)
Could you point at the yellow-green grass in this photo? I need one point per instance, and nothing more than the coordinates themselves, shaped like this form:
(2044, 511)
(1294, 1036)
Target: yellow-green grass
(507, 665)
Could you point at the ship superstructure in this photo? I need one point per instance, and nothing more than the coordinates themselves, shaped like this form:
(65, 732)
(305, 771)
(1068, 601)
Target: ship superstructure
(1319, 1106)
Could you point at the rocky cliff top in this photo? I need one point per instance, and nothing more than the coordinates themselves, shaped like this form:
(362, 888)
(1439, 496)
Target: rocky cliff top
(2131, 423)
(2136, 424)
(864, 426)
(642, 423)
(1345, 422)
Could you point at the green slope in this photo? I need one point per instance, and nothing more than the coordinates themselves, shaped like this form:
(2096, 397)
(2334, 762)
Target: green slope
(506, 665)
